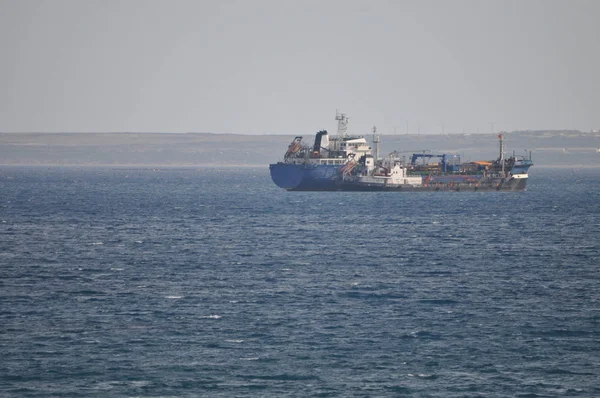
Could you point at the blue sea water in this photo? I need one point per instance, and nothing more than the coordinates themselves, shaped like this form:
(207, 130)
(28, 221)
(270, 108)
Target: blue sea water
(214, 282)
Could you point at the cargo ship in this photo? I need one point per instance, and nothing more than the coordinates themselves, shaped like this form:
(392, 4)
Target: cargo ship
(346, 163)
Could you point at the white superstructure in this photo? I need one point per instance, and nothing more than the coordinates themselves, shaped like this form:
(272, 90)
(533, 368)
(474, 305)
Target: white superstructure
(353, 155)
(396, 175)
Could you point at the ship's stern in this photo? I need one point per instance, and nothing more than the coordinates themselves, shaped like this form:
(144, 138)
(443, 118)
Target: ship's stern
(286, 175)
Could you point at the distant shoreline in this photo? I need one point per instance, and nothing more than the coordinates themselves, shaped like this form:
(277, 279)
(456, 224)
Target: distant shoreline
(138, 166)
(559, 148)
(227, 166)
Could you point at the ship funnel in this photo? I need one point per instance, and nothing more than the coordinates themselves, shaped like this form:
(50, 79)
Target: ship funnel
(325, 144)
(317, 147)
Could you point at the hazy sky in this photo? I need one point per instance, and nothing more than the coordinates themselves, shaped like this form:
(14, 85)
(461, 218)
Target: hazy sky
(285, 66)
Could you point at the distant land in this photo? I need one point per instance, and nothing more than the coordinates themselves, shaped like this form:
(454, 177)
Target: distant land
(563, 148)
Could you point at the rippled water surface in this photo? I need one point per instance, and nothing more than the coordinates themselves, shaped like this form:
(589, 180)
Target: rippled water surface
(213, 282)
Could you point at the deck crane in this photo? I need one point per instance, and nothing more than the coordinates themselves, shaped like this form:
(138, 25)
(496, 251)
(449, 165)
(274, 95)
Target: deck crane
(444, 157)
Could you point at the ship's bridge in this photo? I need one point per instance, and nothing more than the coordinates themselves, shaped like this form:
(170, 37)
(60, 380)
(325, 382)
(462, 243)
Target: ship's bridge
(350, 145)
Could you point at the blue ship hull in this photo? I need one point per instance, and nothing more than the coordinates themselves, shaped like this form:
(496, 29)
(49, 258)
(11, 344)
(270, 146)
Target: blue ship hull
(305, 177)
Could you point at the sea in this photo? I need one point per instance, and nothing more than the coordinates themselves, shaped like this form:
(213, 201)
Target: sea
(213, 282)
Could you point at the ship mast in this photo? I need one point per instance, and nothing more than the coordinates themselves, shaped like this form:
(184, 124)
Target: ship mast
(501, 151)
(342, 124)
(376, 141)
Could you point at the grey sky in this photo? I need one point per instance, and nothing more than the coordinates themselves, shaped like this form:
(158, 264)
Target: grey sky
(284, 66)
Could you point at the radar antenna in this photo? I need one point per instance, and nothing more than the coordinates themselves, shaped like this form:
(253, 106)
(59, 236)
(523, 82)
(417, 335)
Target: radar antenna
(342, 124)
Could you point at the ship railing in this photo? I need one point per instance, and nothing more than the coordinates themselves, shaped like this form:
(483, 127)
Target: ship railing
(331, 161)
